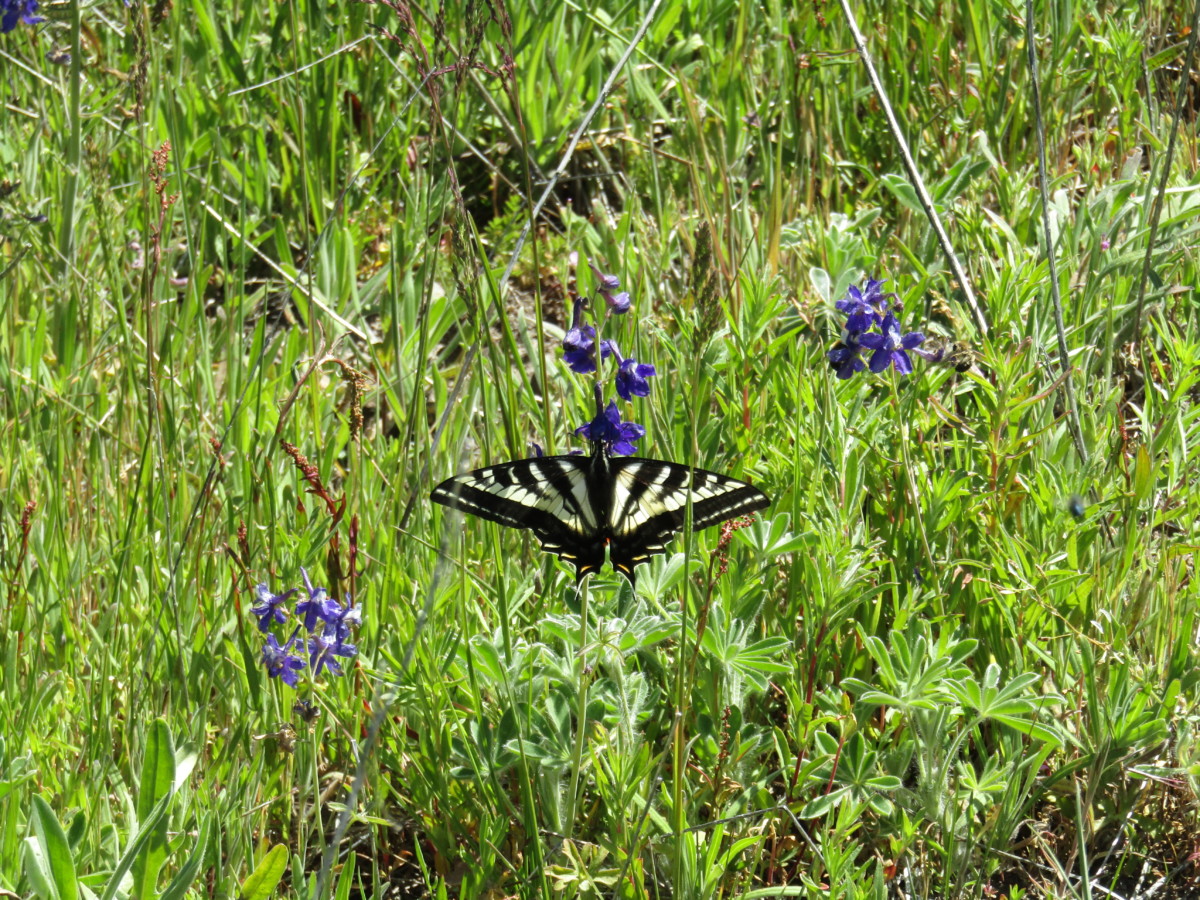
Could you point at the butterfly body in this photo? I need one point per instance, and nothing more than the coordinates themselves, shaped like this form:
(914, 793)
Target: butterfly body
(582, 508)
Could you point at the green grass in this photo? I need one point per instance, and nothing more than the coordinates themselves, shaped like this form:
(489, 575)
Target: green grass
(922, 675)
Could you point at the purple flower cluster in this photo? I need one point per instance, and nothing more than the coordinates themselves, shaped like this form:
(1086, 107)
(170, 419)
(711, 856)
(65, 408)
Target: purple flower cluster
(582, 355)
(870, 325)
(13, 11)
(329, 625)
(608, 429)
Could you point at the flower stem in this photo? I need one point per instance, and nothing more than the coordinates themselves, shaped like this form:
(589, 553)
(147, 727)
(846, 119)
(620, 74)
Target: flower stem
(909, 470)
(598, 349)
(580, 711)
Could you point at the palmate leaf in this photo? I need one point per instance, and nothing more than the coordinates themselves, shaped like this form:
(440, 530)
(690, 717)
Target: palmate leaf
(1015, 704)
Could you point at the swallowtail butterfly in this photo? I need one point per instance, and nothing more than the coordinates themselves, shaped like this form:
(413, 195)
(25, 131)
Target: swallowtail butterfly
(578, 506)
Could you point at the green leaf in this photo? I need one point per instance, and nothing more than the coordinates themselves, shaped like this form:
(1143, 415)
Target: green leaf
(48, 861)
(187, 873)
(902, 191)
(1033, 729)
(38, 870)
(821, 283)
(156, 785)
(1142, 480)
(149, 831)
(1168, 54)
(771, 537)
(817, 807)
(265, 878)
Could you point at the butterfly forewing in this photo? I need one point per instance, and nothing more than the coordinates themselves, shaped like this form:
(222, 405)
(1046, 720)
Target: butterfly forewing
(649, 489)
(548, 495)
(650, 504)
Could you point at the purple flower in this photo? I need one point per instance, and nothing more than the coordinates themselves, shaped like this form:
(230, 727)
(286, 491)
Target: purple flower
(343, 619)
(281, 663)
(843, 358)
(341, 646)
(319, 605)
(871, 295)
(606, 282)
(579, 349)
(889, 346)
(631, 378)
(872, 325)
(269, 606)
(618, 302)
(323, 650)
(22, 10)
(863, 308)
(579, 345)
(608, 429)
(329, 623)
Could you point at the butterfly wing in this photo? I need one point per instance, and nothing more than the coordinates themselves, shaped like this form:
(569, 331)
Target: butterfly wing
(650, 504)
(547, 494)
(578, 506)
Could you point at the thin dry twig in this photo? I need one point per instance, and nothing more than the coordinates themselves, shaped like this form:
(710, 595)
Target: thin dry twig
(914, 176)
(1064, 355)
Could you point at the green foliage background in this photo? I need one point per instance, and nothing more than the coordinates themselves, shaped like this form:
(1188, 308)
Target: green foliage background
(928, 670)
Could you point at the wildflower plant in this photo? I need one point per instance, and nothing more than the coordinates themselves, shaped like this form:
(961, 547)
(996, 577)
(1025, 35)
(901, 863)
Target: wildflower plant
(319, 640)
(872, 325)
(585, 354)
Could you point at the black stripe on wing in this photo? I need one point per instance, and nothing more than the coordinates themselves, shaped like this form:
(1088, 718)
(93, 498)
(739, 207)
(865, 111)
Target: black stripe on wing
(650, 504)
(547, 495)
